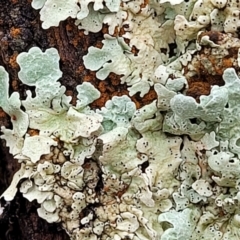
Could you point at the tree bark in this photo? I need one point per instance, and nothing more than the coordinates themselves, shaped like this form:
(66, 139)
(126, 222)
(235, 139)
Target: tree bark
(20, 29)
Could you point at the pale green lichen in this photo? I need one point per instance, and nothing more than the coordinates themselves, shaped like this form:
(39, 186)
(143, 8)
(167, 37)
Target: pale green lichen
(117, 112)
(169, 170)
(108, 57)
(53, 11)
(183, 224)
(44, 66)
(87, 93)
(11, 105)
(91, 23)
(37, 4)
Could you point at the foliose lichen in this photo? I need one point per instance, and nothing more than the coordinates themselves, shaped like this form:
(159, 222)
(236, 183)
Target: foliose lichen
(168, 170)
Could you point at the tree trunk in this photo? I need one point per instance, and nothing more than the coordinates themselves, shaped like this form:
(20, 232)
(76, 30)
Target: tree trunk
(20, 29)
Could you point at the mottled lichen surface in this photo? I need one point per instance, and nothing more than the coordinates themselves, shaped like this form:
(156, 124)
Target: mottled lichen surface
(125, 123)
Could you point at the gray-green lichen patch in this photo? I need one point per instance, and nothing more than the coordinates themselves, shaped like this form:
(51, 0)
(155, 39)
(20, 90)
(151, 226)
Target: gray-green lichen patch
(117, 112)
(106, 59)
(11, 105)
(169, 170)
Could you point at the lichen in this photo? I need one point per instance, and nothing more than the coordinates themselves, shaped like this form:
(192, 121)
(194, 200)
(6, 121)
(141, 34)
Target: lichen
(168, 170)
(53, 11)
(106, 59)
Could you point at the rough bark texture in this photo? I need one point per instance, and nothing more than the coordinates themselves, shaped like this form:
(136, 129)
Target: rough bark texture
(20, 29)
